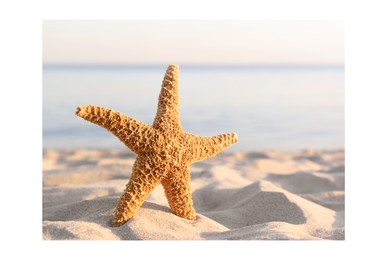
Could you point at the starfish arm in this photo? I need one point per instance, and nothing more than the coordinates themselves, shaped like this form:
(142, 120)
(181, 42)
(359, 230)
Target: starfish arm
(178, 192)
(145, 177)
(168, 114)
(131, 132)
(201, 148)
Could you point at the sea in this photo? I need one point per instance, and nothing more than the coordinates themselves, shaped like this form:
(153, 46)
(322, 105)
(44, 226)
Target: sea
(269, 107)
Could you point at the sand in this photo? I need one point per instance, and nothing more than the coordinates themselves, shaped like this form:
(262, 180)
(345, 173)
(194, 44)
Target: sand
(260, 195)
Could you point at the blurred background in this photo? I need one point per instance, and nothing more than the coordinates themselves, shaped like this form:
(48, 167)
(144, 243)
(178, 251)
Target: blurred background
(278, 84)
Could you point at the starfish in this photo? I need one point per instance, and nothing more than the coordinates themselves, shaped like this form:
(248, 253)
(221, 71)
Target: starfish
(164, 151)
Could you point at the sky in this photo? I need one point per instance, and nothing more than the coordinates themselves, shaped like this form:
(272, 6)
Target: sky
(193, 42)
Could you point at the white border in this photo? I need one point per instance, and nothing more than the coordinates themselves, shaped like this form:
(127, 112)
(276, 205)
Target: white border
(21, 29)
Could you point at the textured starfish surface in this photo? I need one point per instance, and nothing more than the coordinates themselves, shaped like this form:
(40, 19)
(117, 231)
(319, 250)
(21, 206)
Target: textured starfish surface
(164, 151)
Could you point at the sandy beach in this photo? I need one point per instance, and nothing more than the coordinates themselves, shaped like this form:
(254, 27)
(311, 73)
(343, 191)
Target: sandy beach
(262, 195)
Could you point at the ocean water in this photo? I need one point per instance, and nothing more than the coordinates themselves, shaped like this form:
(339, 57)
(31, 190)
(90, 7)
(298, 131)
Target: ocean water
(288, 108)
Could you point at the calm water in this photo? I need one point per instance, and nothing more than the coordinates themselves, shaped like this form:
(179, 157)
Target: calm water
(281, 108)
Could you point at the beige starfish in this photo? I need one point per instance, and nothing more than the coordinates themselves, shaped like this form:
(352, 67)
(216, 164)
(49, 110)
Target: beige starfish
(164, 151)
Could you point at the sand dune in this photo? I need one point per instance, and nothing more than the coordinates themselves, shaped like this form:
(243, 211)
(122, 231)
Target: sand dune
(242, 195)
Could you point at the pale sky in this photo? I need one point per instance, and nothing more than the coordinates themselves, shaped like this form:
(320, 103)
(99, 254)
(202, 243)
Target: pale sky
(193, 42)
